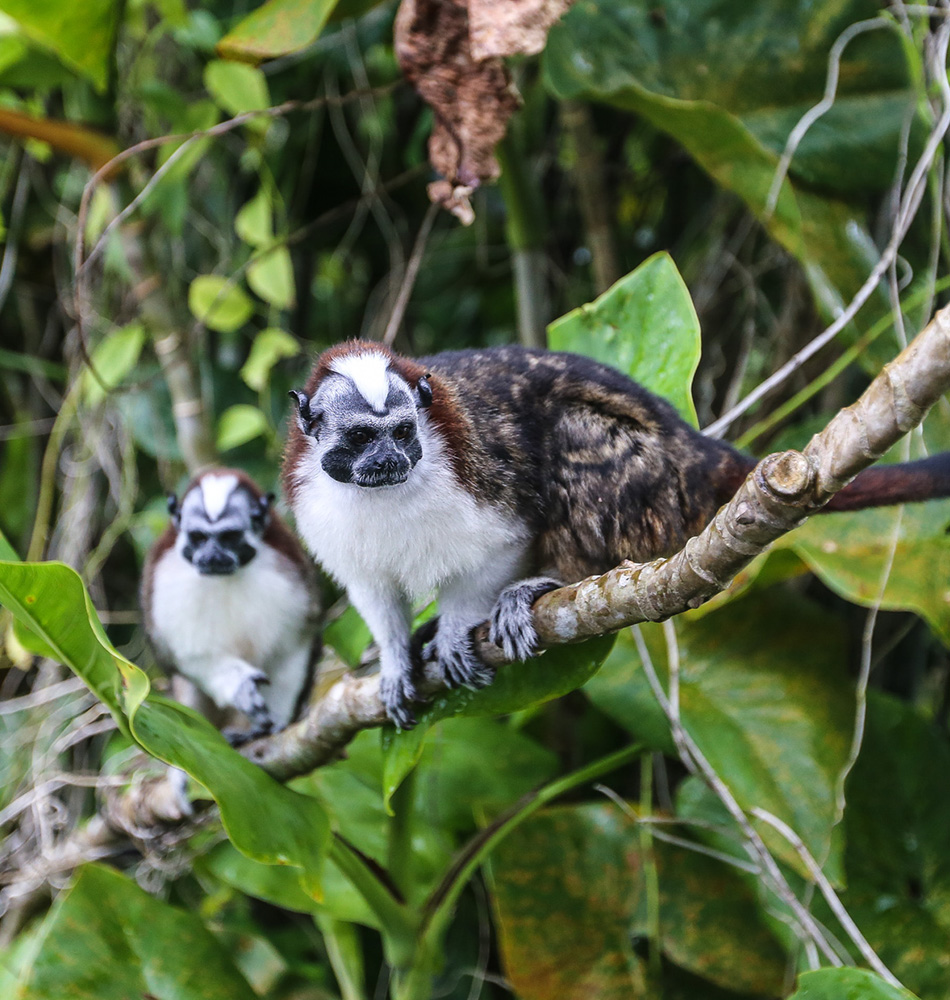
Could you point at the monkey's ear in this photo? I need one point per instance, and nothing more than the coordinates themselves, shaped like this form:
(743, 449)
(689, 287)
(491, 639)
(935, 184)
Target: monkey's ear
(261, 515)
(307, 420)
(174, 509)
(424, 392)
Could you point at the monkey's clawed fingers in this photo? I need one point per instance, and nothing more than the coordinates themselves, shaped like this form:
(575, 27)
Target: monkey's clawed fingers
(397, 693)
(511, 625)
(458, 662)
(249, 700)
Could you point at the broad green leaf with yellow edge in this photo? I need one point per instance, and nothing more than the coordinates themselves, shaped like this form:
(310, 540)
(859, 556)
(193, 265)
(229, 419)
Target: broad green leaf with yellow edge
(113, 358)
(52, 603)
(846, 984)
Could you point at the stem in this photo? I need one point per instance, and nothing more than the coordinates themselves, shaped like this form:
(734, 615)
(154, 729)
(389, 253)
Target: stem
(397, 922)
(346, 958)
(524, 230)
(399, 848)
(587, 172)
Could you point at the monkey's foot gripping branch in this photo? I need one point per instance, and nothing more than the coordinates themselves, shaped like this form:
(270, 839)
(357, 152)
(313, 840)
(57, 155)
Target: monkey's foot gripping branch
(780, 493)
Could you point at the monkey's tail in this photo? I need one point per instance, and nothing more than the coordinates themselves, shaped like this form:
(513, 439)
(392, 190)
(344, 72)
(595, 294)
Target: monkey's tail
(907, 482)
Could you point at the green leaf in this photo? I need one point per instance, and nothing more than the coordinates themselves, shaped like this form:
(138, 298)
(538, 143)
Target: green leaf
(235, 87)
(271, 276)
(219, 303)
(846, 984)
(516, 686)
(281, 886)
(113, 358)
(82, 35)
(107, 938)
(269, 347)
(646, 326)
(51, 601)
(850, 552)
(254, 220)
(276, 28)
(765, 693)
(239, 424)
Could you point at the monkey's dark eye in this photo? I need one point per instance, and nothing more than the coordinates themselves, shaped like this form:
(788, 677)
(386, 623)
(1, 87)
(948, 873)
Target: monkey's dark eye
(359, 435)
(402, 431)
(230, 539)
(197, 537)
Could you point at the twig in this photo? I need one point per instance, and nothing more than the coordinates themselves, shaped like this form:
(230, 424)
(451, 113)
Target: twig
(409, 278)
(831, 897)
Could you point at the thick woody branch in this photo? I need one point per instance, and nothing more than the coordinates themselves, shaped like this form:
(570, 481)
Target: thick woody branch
(780, 493)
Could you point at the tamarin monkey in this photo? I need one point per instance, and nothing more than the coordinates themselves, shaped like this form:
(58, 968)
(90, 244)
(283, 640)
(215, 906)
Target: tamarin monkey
(231, 601)
(493, 476)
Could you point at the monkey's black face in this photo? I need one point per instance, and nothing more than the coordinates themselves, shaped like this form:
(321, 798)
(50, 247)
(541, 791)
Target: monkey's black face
(217, 553)
(368, 442)
(219, 524)
(374, 453)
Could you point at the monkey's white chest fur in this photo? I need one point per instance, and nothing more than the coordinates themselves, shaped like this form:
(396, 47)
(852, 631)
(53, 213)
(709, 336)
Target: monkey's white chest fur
(256, 614)
(418, 535)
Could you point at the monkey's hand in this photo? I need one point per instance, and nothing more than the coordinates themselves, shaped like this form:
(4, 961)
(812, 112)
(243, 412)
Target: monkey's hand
(511, 625)
(398, 692)
(249, 700)
(454, 652)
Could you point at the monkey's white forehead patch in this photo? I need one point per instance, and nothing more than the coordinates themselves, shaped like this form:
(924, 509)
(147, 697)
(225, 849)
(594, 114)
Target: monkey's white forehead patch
(369, 373)
(215, 491)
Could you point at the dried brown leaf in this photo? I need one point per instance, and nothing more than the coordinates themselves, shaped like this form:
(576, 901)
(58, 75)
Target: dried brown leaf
(512, 27)
(450, 50)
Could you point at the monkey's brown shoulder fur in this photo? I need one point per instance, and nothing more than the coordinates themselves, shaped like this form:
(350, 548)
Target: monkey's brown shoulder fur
(602, 469)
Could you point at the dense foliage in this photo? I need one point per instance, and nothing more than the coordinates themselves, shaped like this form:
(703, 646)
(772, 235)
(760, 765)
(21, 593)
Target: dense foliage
(541, 838)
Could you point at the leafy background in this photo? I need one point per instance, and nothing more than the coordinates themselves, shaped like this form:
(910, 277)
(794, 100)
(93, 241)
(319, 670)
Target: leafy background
(541, 838)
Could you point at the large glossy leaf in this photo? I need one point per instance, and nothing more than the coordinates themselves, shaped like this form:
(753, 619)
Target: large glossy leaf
(851, 552)
(81, 34)
(107, 938)
(764, 691)
(516, 686)
(51, 601)
(846, 984)
(646, 326)
(733, 115)
(568, 892)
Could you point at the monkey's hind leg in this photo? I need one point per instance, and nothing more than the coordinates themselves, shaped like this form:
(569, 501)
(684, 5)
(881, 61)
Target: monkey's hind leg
(511, 625)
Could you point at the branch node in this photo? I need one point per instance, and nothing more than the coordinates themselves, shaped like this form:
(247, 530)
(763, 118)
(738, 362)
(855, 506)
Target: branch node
(788, 476)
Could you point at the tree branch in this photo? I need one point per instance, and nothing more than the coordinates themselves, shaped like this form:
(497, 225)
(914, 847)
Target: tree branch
(779, 494)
